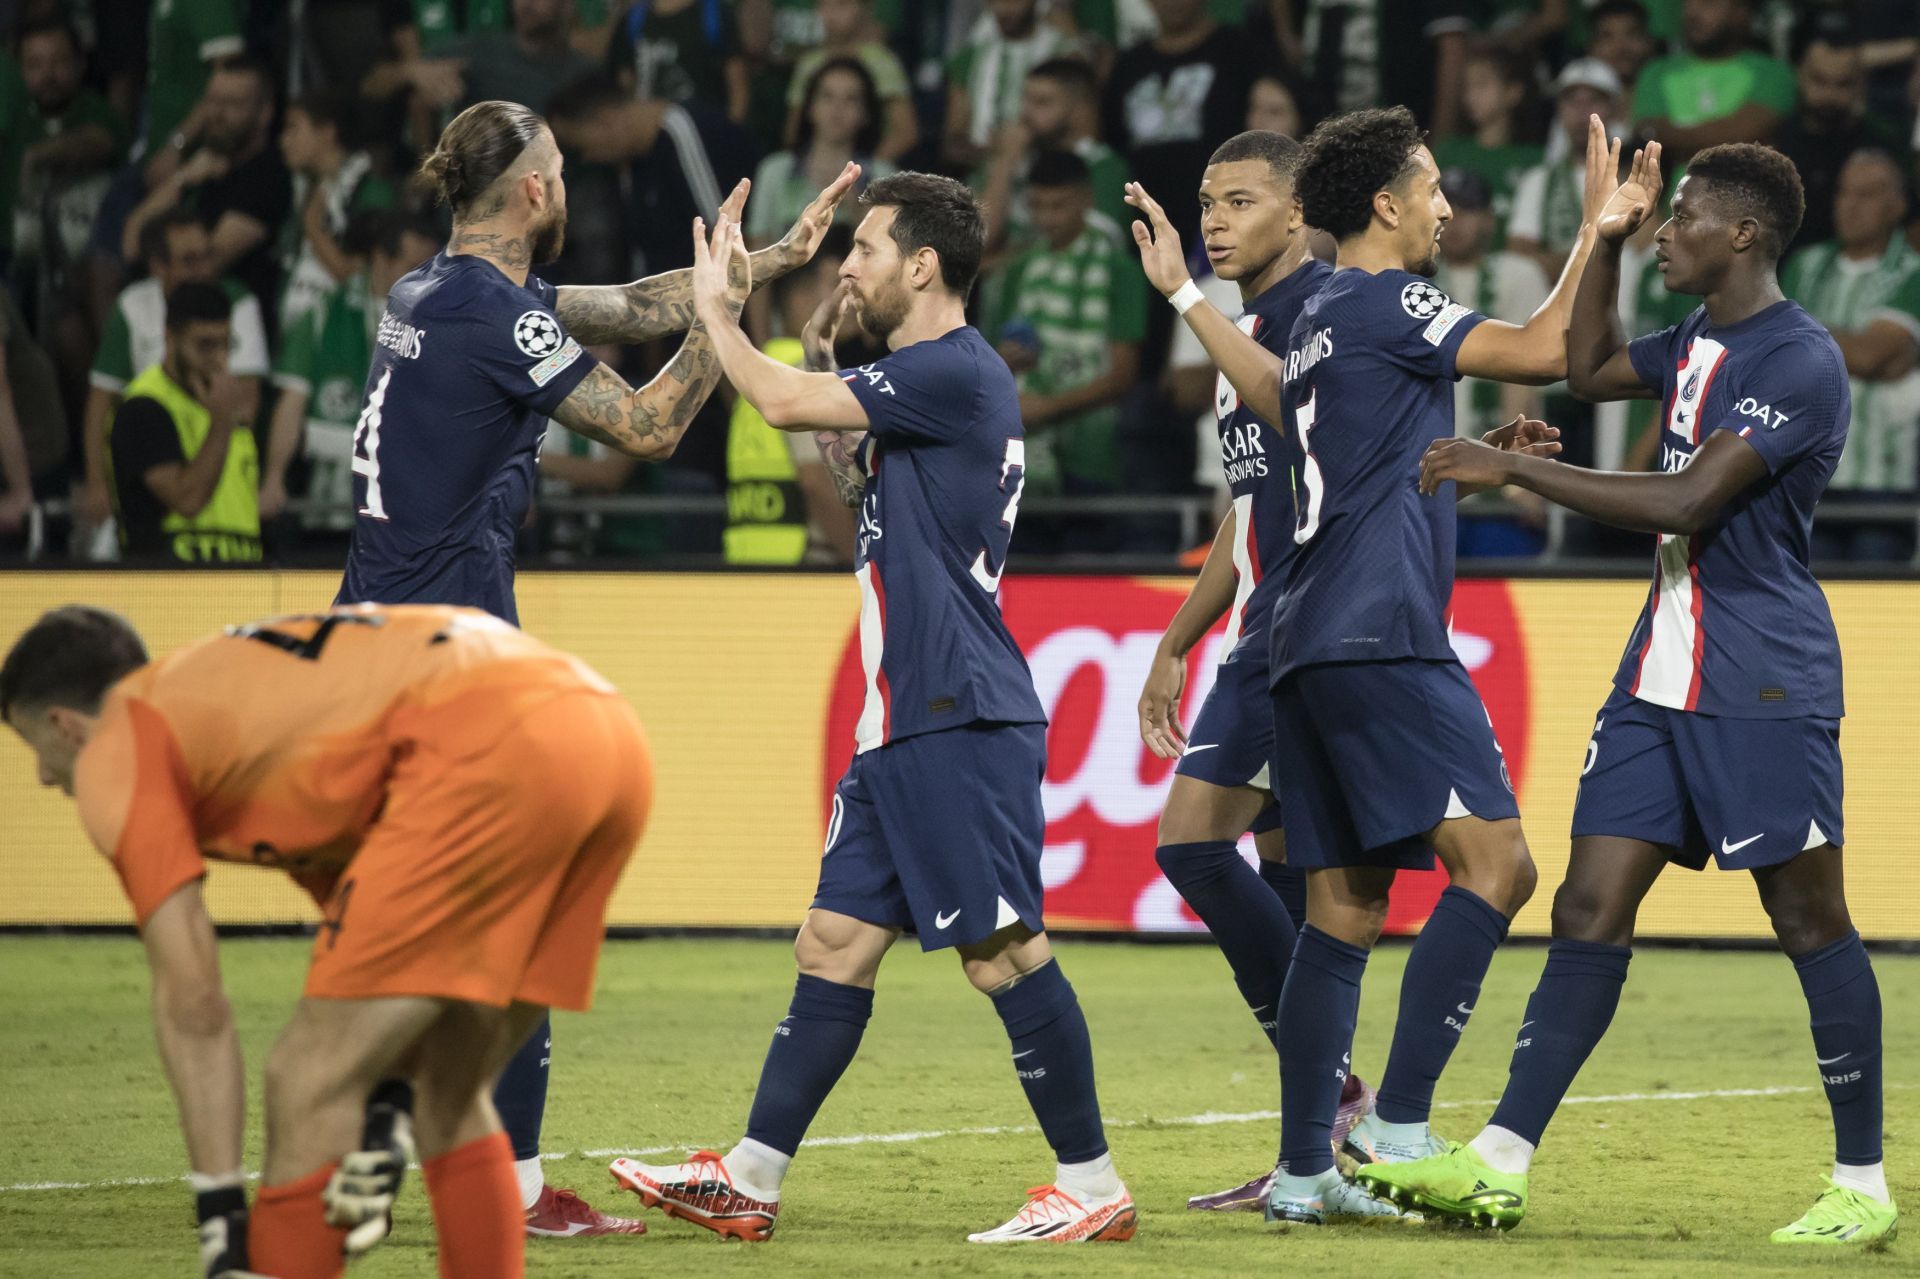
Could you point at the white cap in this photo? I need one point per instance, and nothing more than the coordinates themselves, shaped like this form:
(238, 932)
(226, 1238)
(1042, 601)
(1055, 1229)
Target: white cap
(1590, 73)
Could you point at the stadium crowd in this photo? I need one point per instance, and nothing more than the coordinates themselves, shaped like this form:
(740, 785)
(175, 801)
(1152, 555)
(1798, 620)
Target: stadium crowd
(229, 184)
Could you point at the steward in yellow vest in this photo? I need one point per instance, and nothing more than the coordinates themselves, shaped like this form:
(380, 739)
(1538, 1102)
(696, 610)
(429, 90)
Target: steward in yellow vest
(766, 514)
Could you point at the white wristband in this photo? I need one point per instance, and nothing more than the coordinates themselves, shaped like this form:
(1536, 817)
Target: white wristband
(1186, 297)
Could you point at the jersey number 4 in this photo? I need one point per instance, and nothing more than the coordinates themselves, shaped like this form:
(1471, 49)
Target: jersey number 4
(366, 447)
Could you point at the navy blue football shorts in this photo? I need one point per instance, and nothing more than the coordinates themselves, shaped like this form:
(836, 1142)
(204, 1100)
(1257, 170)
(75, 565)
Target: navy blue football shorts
(1745, 792)
(939, 834)
(1370, 756)
(1230, 742)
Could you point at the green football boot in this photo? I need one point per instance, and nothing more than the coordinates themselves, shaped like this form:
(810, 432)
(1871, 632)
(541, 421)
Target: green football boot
(1455, 1186)
(1840, 1216)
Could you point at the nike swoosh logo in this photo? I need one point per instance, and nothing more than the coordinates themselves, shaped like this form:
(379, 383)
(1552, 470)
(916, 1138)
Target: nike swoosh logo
(1728, 850)
(1029, 1053)
(1525, 1024)
(941, 921)
(1828, 1061)
(1193, 750)
(1464, 1010)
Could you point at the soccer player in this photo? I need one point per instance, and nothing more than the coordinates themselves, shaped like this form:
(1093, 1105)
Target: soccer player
(1251, 223)
(1722, 735)
(459, 798)
(473, 355)
(1384, 754)
(937, 825)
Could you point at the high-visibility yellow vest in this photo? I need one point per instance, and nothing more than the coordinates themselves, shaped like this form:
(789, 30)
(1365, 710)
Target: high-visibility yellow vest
(766, 516)
(227, 528)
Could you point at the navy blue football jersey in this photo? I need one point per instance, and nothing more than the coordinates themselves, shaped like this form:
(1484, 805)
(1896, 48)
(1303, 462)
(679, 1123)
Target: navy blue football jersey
(945, 456)
(1260, 465)
(467, 368)
(1735, 624)
(1369, 373)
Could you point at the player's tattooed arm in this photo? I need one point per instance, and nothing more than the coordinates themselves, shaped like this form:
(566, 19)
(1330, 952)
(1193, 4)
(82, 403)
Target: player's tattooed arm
(839, 450)
(648, 422)
(663, 304)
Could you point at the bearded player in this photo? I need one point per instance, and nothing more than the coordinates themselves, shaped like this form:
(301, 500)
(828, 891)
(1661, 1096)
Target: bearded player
(1721, 739)
(937, 825)
(474, 354)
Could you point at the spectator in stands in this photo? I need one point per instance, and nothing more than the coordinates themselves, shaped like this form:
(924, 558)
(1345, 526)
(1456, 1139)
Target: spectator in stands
(782, 508)
(848, 30)
(1059, 111)
(33, 425)
(682, 51)
(1718, 90)
(321, 369)
(1273, 105)
(232, 177)
(839, 121)
(184, 462)
(1071, 318)
(1172, 98)
(986, 76)
(1498, 104)
(528, 64)
(186, 40)
(55, 159)
(331, 184)
(1545, 219)
(1500, 283)
(177, 250)
(1362, 53)
(1619, 35)
(1864, 285)
(1830, 124)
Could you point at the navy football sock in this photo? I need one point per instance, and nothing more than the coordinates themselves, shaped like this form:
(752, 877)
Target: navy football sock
(521, 1093)
(1844, 998)
(1570, 1010)
(1318, 1010)
(1437, 993)
(811, 1049)
(1291, 885)
(1248, 921)
(1054, 1058)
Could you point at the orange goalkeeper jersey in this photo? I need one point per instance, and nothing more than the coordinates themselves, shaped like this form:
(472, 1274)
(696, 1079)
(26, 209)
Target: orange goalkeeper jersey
(272, 743)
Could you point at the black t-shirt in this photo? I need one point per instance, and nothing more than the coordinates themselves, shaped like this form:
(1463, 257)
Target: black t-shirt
(1167, 112)
(697, 158)
(1820, 157)
(143, 438)
(676, 57)
(259, 188)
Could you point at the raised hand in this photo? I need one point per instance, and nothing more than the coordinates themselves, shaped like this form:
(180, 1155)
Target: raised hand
(722, 273)
(734, 207)
(822, 329)
(1160, 705)
(1160, 253)
(802, 241)
(1617, 209)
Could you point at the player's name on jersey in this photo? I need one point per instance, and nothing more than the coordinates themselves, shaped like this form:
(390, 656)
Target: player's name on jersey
(1317, 347)
(400, 337)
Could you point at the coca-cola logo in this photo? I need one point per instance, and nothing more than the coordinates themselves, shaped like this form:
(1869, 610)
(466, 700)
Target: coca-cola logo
(1089, 641)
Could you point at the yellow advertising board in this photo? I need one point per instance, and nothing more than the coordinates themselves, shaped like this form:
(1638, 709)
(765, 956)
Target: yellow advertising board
(748, 684)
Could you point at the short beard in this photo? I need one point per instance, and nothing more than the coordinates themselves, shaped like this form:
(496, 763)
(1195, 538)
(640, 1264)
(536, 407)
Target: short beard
(1428, 266)
(546, 241)
(884, 313)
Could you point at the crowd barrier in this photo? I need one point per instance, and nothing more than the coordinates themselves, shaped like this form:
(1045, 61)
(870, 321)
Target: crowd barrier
(749, 685)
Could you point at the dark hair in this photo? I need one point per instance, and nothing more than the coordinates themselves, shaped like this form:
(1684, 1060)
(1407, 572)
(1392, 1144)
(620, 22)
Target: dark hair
(1893, 162)
(1281, 152)
(70, 657)
(50, 24)
(1053, 169)
(1752, 180)
(196, 302)
(835, 244)
(475, 149)
(868, 138)
(1832, 29)
(1619, 9)
(153, 236)
(1347, 160)
(1076, 73)
(248, 64)
(933, 212)
(326, 110)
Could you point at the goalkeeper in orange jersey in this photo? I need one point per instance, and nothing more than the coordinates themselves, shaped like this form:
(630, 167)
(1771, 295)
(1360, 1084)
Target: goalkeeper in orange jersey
(459, 798)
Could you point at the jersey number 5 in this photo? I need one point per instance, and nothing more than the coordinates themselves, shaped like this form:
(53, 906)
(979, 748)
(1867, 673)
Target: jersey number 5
(366, 446)
(1012, 470)
(1310, 476)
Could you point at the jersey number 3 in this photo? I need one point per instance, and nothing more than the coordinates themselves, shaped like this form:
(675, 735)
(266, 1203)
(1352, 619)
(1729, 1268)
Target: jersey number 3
(366, 447)
(1013, 472)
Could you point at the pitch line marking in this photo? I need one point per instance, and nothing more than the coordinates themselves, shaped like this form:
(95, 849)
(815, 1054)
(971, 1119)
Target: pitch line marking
(1205, 1119)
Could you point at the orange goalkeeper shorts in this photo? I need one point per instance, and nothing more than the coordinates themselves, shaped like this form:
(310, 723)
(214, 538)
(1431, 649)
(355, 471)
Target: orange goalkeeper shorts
(486, 875)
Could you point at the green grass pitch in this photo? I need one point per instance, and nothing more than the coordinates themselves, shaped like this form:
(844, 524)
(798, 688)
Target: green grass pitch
(1705, 1128)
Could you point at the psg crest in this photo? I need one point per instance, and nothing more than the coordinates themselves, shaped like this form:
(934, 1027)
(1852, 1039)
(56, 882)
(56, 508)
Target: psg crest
(536, 334)
(1422, 300)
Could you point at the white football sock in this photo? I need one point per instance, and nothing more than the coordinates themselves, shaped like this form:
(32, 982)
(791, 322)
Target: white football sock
(1093, 1180)
(1503, 1149)
(532, 1180)
(1288, 1186)
(757, 1169)
(1401, 1134)
(1869, 1179)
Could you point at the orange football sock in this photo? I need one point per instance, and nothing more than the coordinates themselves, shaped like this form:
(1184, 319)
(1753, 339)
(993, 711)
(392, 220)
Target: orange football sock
(477, 1215)
(289, 1237)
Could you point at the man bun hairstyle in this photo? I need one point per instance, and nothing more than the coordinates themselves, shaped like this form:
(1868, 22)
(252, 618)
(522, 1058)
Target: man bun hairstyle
(475, 150)
(1281, 152)
(933, 212)
(70, 657)
(1752, 180)
(1347, 160)
(197, 302)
